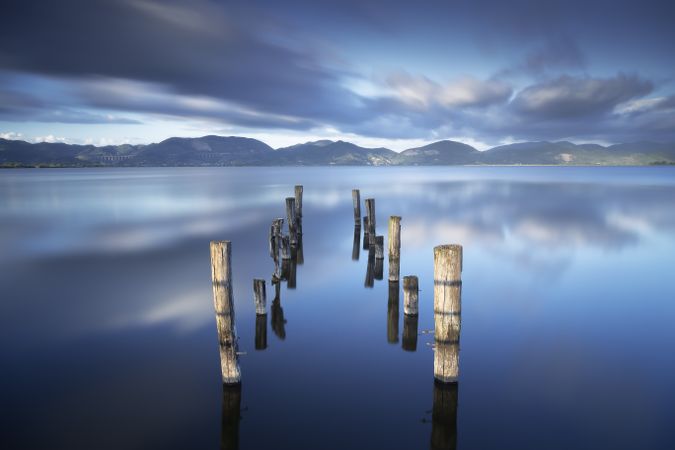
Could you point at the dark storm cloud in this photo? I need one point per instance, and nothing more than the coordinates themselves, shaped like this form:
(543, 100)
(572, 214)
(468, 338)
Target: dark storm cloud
(568, 96)
(286, 65)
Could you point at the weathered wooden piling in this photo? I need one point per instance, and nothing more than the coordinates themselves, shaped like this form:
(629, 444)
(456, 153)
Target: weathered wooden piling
(370, 212)
(379, 268)
(409, 338)
(394, 248)
(261, 331)
(285, 247)
(356, 200)
(223, 301)
(292, 220)
(410, 295)
(392, 312)
(379, 247)
(259, 296)
(447, 311)
(229, 418)
(298, 202)
(356, 247)
(275, 245)
(444, 417)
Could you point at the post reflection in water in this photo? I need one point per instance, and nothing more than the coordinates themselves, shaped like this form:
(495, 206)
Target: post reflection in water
(356, 248)
(278, 321)
(292, 267)
(409, 339)
(230, 416)
(444, 416)
(370, 268)
(261, 331)
(392, 312)
(379, 268)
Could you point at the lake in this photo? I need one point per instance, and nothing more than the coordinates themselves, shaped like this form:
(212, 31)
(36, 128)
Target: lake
(108, 336)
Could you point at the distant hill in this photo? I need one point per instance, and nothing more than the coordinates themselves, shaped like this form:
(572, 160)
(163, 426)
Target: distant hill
(240, 151)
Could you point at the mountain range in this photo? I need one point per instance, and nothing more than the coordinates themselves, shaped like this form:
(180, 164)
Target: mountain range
(241, 151)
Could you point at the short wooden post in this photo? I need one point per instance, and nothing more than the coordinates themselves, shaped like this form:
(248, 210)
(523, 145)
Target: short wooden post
(410, 295)
(223, 301)
(447, 311)
(356, 247)
(394, 248)
(259, 296)
(370, 212)
(392, 312)
(409, 339)
(379, 247)
(261, 331)
(444, 416)
(356, 200)
(292, 221)
(298, 201)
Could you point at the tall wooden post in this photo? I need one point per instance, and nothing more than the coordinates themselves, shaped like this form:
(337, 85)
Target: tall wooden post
(394, 248)
(292, 223)
(410, 295)
(223, 301)
(447, 311)
(298, 201)
(356, 200)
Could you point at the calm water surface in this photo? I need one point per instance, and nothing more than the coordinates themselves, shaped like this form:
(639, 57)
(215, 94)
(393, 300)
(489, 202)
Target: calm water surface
(108, 337)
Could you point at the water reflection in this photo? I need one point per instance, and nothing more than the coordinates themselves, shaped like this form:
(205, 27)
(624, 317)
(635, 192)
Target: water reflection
(356, 248)
(230, 416)
(392, 312)
(409, 339)
(261, 331)
(444, 417)
(278, 321)
(370, 268)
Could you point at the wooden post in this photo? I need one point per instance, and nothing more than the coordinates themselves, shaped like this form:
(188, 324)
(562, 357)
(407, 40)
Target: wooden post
(223, 301)
(379, 247)
(285, 247)
(447, 311)
(392, 313)
(394, 248)
(379, 268)
(356, 247)
(409, 339)
(410, 295)
(370, 212)
(444, 416)
(259, 296)
(298, 202)
(292, 223)
(261, 331)
(356, 200)
(229, 418)
(275, 245)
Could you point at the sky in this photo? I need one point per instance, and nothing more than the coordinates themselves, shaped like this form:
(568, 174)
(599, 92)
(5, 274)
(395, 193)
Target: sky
(391, 73)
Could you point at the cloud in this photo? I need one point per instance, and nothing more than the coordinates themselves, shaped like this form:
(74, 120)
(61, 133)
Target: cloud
(568, 96)
(421, 92)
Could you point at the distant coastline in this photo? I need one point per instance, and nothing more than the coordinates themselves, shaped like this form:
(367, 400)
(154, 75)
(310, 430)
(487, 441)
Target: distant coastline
(231, 151)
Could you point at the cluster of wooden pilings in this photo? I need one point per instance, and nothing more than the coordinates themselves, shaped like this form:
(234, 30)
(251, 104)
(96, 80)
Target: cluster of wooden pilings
(286, 252)
(447, 289)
